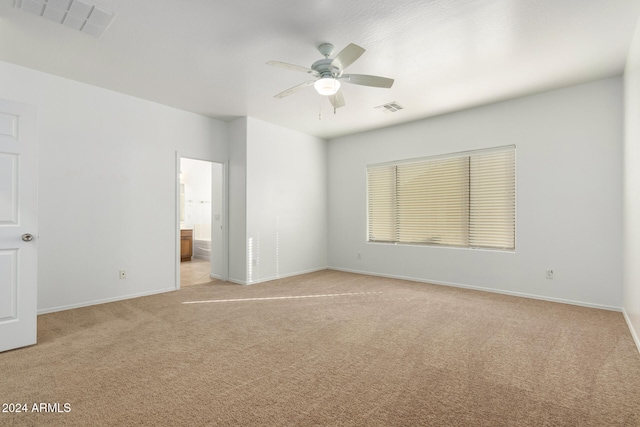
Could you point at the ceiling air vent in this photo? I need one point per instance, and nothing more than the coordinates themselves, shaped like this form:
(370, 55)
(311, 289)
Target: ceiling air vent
(390, 107)
(77, 14)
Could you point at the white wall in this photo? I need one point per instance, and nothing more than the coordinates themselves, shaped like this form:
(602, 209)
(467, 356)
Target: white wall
(631, 197)
(107, 186)
(107, 179)
(286, 202)
(278, 215)
(238, 200)
(569, 180)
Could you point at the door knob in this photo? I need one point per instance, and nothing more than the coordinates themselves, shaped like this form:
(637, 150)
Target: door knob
(27, 237)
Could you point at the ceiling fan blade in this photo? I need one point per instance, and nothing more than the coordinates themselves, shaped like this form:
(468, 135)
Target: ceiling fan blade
(294, 89)
(292, 67)
(347, 56)
(337, 100)
(365, 80)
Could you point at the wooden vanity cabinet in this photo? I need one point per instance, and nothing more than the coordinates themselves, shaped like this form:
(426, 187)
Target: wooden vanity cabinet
(186, 245)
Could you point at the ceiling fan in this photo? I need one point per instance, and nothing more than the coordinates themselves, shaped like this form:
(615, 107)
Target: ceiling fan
(329, 75)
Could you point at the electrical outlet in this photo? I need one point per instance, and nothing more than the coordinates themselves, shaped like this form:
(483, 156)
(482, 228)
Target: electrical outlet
(549, 274)
(123, 274)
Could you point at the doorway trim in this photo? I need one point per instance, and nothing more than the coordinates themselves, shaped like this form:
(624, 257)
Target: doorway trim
(224, 274)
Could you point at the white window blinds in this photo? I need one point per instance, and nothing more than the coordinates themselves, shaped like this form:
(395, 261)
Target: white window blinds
(493, 200)
(463, 200)
(382, 203)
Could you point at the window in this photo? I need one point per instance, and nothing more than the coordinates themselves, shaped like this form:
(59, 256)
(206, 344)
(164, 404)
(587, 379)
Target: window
(465, 200)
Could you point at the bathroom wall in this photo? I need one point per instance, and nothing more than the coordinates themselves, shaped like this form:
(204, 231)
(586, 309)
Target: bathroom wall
(196, 178)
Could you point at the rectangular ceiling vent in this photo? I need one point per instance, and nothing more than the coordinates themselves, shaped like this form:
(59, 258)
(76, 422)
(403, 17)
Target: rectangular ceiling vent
(77, 14)
(390, 107)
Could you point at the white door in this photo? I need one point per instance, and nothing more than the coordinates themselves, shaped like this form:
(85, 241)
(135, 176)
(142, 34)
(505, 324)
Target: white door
(18, 223)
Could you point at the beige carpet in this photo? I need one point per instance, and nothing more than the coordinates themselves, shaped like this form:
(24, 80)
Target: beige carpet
(356, 350)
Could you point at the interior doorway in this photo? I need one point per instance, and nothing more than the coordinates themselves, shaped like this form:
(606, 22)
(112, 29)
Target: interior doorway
(201, 210)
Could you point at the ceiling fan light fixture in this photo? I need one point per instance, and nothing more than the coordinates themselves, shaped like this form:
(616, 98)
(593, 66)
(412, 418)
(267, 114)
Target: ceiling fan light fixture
(327, 86)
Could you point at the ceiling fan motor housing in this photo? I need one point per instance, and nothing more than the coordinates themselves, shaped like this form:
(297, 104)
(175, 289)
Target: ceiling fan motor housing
(325, 69)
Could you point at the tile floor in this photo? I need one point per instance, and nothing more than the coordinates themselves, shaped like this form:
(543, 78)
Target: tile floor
(195, 272)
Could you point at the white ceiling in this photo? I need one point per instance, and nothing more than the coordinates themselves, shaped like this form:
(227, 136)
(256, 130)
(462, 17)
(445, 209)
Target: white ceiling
(208, 56)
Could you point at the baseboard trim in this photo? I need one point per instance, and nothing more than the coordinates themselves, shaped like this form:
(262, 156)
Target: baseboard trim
(104, 301)
(281, 276)
(480, 288)
(631, 329)
(367, 273)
